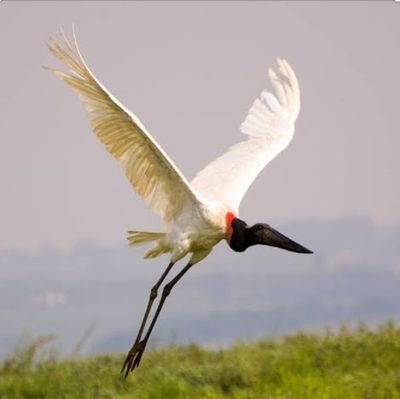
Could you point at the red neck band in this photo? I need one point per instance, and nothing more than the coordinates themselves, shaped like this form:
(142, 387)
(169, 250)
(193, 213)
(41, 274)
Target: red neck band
(229, 229)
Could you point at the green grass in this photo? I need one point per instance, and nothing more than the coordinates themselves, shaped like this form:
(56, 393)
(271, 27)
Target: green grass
(363, 363)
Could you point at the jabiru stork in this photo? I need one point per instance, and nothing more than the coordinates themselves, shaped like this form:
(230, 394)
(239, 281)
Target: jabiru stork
(199, 214)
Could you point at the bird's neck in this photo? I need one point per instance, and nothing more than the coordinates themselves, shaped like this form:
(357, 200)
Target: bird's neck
(229, 217)
(237, 236)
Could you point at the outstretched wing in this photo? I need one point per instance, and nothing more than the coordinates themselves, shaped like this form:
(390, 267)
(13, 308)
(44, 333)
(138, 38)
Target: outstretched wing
(152, 174)
(269, 126)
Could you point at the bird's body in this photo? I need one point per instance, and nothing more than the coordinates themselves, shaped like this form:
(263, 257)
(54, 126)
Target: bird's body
(199, 214)
(196, 230)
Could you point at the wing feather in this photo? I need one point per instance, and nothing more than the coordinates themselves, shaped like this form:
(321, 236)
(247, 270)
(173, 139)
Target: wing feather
(150, 171)
(269, 126)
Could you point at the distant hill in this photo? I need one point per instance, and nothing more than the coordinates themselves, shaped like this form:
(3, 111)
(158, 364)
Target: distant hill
(353, 276)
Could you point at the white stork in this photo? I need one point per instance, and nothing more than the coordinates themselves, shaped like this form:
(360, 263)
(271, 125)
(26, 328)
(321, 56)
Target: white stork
(201, 213)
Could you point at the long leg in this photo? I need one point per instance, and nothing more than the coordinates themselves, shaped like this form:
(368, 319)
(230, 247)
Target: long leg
(135, 354)
(153, 295)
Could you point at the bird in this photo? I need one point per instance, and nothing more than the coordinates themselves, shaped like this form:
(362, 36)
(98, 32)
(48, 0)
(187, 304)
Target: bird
(199, 214)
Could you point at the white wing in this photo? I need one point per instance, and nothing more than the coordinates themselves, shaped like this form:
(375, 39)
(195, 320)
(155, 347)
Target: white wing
(152, 174)
(269, 126)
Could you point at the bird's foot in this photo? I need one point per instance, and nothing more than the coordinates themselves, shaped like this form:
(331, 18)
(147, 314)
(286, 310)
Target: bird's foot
(133, 358)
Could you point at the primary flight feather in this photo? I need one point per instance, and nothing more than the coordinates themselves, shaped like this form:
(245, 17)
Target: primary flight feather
(199, 214)
(152, 174)
(269, 126)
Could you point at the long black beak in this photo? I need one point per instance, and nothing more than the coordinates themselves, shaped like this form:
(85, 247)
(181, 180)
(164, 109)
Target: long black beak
(273, 238)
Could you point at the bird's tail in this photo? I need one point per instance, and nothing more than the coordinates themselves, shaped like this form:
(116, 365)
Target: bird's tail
(136, 238)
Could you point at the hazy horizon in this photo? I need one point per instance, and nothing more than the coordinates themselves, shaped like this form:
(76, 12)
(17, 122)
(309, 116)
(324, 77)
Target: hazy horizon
(353, 277)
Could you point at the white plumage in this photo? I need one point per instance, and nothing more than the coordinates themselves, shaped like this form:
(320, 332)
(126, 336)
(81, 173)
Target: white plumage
(198, 214)
(269, 126)
(152, 174)
(220, 186)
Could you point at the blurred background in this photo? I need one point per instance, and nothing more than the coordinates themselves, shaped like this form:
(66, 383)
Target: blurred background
(190, 71)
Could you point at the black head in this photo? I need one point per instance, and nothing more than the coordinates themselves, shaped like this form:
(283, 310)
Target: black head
(261, 233)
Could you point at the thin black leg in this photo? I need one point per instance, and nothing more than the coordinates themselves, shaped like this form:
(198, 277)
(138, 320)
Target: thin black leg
(153, 295)
(135, 354)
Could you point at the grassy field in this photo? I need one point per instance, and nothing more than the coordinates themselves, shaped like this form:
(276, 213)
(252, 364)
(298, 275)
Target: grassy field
(362, 363)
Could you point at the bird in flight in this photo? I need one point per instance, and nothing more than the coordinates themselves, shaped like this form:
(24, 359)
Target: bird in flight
(197, 214)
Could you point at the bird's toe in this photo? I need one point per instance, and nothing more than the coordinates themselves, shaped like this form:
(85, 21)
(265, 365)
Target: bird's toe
(133, 358)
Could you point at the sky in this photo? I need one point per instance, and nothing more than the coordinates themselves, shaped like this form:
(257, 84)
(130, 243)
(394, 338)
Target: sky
(190, 71)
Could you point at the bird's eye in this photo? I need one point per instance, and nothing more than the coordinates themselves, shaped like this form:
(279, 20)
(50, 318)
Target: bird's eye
(259, 227)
